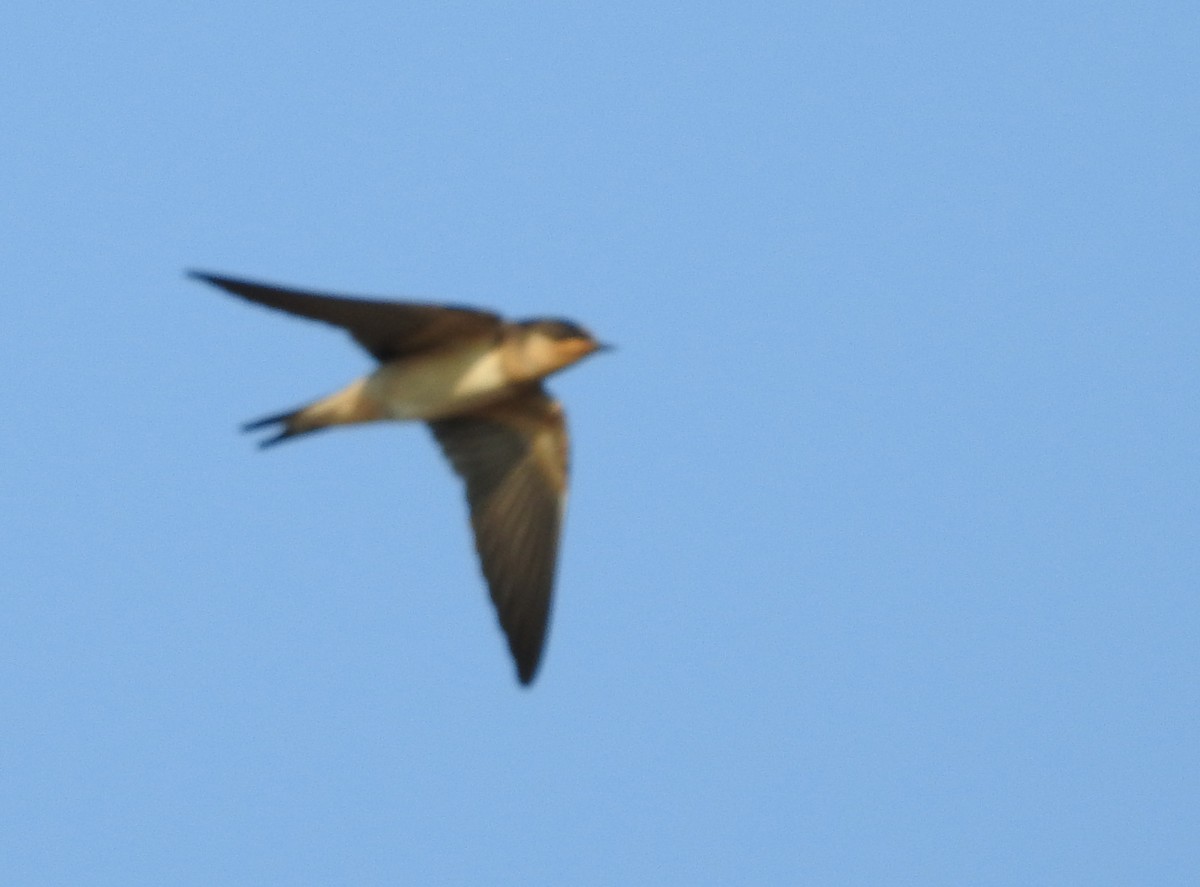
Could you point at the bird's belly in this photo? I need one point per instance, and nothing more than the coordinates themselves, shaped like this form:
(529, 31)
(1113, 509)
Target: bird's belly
(439, 385)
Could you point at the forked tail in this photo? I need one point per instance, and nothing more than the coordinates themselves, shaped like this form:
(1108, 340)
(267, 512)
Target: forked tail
(351, 404)
(287, 430)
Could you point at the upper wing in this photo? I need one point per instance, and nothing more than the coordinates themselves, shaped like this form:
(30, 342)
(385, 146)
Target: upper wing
(513, 458)
(386, 329)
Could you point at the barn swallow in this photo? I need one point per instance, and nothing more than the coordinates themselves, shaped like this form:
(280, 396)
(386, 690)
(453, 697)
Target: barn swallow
(476, 380)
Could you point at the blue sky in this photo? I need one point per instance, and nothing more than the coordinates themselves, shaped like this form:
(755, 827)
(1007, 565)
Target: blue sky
(881, 557)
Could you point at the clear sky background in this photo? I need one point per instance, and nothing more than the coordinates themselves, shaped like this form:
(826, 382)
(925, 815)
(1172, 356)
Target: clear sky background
(881, 562)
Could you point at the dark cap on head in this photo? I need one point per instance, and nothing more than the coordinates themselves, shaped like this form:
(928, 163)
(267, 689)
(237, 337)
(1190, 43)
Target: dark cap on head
(557, 329)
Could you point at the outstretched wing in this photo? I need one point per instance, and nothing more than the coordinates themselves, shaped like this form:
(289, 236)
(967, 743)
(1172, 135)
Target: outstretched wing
(513, 459)
(386, 329)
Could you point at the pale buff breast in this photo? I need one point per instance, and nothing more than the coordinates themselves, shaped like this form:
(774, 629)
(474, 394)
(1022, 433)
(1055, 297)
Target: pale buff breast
(431, 386)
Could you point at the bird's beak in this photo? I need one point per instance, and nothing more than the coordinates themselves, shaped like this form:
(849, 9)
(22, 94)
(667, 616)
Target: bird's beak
(605, 346)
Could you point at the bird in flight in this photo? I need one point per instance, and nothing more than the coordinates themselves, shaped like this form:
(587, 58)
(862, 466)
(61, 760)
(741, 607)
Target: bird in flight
(476, 380)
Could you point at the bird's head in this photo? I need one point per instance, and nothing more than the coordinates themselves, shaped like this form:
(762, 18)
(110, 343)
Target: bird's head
(549, 345)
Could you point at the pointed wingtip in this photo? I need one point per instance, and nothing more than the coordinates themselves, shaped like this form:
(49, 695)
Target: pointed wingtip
(218, 280)
(526, 671)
